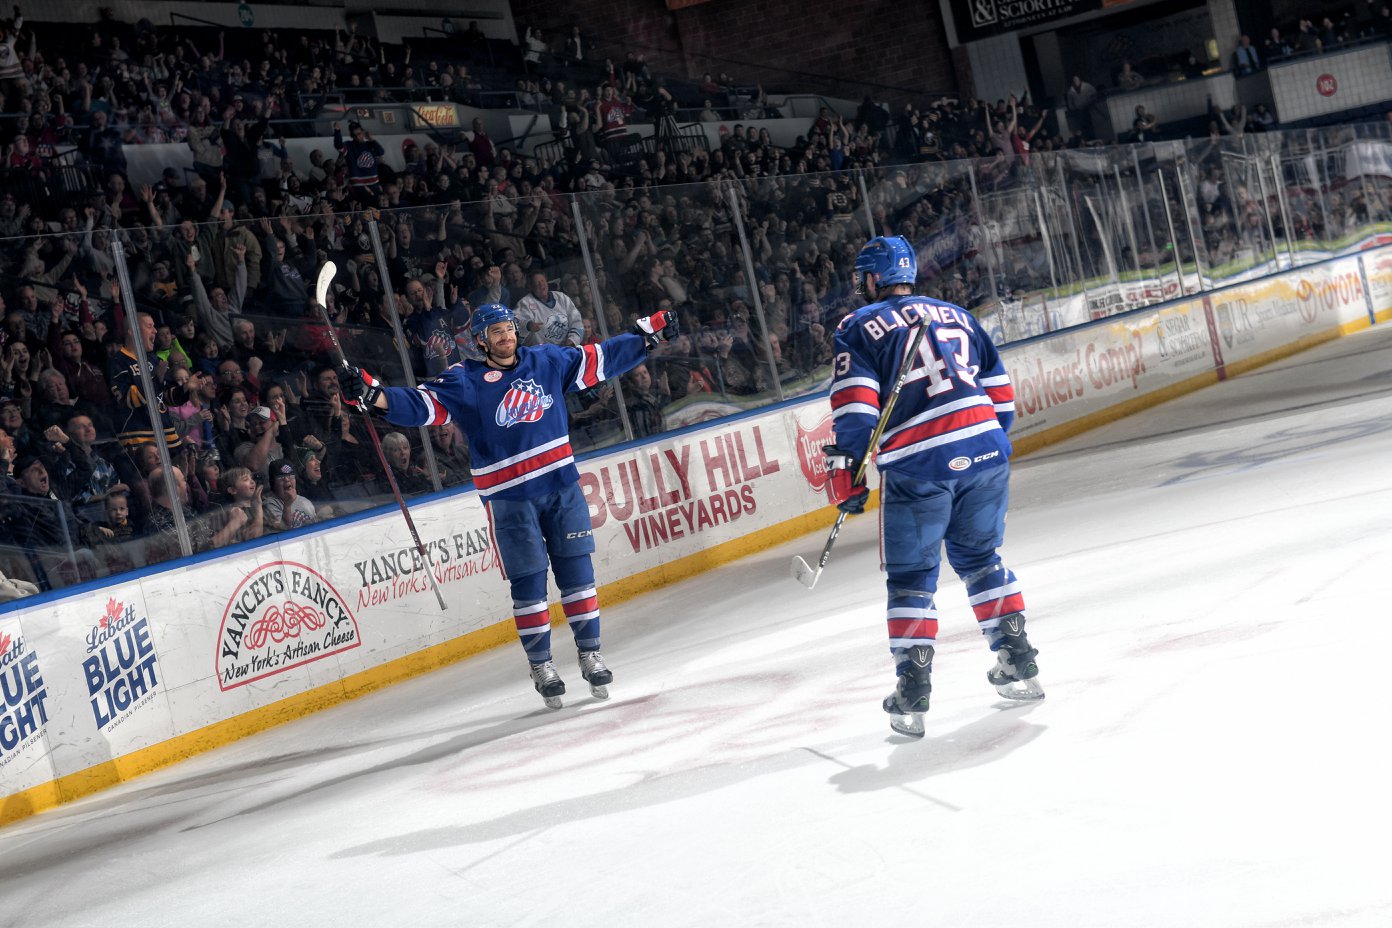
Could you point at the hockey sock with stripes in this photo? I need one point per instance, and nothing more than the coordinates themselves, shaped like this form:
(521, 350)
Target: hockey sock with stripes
(994, 592)
(911, 616)
(532, 616)
(575, 578)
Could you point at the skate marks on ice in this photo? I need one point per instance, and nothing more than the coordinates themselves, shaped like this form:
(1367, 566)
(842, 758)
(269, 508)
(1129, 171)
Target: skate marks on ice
(1272, 600)
(1174, 538)
(1238, 634)
(736, 729)
(1297, 444)
(457, 746)
(1086, 447)
(1280, 446)
(988, 739)
(1351, 378)
(648, 789)
(848, 770)
(168, 799)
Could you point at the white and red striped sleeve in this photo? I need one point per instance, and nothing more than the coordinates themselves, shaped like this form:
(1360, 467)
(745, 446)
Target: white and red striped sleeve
(995, 380)
(589, 365)
(591, 370)
(416, 406)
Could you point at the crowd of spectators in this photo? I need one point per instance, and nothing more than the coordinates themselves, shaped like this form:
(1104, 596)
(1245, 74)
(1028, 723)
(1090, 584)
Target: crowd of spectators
(1361, 21)
(221, 257)
(1341, 26)
(220, 261)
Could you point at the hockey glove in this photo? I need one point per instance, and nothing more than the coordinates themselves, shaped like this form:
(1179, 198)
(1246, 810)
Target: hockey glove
(848, 495)
(358, 386)
(657, 328)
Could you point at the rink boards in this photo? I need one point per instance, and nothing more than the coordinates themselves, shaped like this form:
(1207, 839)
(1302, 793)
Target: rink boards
(100, 686)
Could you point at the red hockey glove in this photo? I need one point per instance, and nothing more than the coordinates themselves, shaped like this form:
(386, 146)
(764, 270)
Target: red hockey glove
(358, 386)
(841, 466)
(657, 328)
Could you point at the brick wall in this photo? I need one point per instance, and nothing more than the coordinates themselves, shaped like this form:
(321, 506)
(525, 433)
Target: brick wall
(830, 46)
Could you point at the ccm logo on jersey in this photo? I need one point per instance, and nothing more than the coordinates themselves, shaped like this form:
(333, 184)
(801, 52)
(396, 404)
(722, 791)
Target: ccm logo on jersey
(964, 462)
(570, 535)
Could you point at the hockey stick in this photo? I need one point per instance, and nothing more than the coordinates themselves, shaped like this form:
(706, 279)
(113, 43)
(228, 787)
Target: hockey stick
(802, 571)
(321, 294)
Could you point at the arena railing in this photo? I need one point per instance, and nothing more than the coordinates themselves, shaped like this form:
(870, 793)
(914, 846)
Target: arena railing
(758, 272)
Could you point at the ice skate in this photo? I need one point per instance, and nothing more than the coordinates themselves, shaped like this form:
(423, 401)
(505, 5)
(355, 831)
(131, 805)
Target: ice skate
(548, 683)
(909, 700)
(596, 673)
(1016, 675)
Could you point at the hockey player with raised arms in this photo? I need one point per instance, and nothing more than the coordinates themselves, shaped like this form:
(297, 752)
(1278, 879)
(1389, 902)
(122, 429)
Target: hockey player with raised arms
(511, 408)
(944, 463)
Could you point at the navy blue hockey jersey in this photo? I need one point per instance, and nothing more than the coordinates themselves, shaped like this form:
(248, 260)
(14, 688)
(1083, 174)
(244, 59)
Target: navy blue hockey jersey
(516, 420)
(955, 406)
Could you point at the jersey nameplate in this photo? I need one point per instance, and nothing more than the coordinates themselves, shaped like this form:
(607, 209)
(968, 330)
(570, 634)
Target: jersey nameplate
(908, 314)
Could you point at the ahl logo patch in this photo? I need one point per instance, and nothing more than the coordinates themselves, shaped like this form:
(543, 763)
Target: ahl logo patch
(524, 401)
(493, 376)
(959, 463)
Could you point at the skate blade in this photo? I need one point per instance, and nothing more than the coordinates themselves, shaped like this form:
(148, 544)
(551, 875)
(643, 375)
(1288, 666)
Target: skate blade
(1022, 690)
(552, 702)
(599, 692)
(911, 724)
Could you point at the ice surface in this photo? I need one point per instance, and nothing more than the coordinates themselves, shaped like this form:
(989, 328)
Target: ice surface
(1208, 584)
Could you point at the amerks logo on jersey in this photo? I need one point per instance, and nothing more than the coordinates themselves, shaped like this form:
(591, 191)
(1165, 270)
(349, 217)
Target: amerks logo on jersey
(524, 401)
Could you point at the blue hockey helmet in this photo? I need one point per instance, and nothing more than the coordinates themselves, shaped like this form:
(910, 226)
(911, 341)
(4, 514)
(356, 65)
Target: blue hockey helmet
(890, 258)
(488, 314)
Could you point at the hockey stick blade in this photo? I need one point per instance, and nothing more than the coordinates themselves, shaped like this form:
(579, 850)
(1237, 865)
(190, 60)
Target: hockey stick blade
(804, 573)
(321, 286)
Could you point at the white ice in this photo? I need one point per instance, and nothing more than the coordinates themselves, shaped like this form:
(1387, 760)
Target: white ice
(1208, 584)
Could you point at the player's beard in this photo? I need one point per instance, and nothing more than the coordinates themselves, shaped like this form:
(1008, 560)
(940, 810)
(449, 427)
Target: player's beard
(502, 357)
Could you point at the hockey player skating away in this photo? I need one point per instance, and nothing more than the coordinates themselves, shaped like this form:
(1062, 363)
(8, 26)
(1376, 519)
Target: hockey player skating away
(944, 464)
(511, 409)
